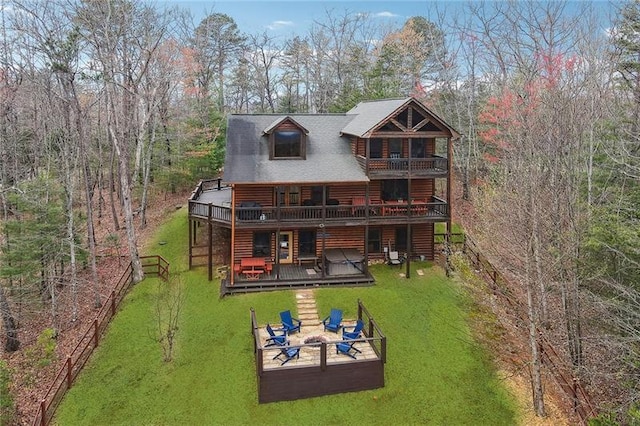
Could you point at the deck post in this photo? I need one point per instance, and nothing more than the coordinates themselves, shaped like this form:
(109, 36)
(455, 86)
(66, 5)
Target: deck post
(408, 259)
(259, 361)
(383, 349)
(95, 332)
(323, 356)
(43, 411)
(210, 248)
(190, 243)
(69, 372)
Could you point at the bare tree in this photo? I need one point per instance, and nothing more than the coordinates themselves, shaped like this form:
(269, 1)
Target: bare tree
(169, 302)
(264, 56)
(115, 31)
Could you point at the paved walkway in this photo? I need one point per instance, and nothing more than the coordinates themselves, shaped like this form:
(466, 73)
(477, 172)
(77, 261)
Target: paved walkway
(307, 309)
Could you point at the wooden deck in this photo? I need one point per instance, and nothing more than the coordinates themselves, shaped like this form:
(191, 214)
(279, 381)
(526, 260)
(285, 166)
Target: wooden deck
(292, 276)
(210, 202)
(319, 369)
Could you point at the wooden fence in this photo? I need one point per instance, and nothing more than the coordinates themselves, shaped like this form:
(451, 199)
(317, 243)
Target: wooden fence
(152, 266)
(555, 364)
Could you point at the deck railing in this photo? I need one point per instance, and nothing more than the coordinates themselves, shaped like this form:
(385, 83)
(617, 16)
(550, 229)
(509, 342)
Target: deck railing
(372, 332)
(437, 208)
(420, 166)
(152, 265)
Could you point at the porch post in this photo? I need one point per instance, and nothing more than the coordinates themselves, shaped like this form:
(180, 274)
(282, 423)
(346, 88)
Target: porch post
(210, 253)
(233, 235)
(409, 215)
(408, 259)
(190, 244)
(449, 213)
(366, 228)
(323, 230)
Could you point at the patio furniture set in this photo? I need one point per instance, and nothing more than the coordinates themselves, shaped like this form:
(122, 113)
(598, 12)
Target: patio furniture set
(279, 336)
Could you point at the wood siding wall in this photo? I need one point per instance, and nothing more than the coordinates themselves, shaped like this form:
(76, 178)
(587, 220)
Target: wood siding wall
(351, 237)
(260, 194)
(421, 189)
(264, 195)
(348, 237)
(287, 125)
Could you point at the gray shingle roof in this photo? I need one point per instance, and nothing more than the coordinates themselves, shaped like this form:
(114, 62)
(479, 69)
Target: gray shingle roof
(370, 114)
(329, 157)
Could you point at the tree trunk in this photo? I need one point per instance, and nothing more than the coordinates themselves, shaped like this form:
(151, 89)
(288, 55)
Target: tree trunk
(11, 343)
(147, 171)
(123, 166)
(112, 188)
(536, 363)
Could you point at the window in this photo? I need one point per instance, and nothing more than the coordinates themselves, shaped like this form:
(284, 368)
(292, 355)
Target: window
(375, 148)
(395, 148)
(287, 195)
(316, 195)
(395, 189)
(307, 243)
(287, 144)
(262, 244)
(375, 243)
(418, 148)
(401, 239)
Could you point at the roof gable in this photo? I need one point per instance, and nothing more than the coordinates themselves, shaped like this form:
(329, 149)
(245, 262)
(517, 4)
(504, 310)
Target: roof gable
(282, 120)
(396, 115)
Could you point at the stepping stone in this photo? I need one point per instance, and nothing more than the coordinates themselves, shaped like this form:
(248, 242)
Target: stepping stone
(307, 309)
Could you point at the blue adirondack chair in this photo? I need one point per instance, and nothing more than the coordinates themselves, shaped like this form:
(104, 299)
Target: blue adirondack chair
(275, 339)
(289, 353)
(334, 321)
(346, 347)
(289, 324)
(353, 332)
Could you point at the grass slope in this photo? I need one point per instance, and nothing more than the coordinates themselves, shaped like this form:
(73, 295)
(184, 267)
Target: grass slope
(435, 373)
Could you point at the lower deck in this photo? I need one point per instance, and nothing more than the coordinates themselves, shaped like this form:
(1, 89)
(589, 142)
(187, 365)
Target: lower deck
(291, 276)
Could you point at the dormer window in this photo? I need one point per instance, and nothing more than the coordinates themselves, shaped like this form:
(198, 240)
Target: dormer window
(287, 144)
(287, 140)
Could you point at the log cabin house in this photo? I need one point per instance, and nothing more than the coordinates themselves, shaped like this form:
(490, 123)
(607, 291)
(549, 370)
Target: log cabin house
(312, 199)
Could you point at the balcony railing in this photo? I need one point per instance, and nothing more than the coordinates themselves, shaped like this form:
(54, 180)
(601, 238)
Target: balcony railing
(435, 209)
(430, 166)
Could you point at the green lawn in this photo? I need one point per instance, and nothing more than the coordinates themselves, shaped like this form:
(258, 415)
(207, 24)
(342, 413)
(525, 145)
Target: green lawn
(435, 372)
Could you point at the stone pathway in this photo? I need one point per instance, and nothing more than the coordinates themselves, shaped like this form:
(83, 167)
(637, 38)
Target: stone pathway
(307, 309)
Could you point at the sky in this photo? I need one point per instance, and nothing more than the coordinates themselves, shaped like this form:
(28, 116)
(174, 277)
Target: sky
(289, 17)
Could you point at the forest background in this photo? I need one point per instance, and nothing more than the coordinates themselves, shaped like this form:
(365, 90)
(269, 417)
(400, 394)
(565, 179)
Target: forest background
(106, 104)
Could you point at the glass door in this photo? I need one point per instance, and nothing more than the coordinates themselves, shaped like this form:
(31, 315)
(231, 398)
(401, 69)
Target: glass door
(285, 247)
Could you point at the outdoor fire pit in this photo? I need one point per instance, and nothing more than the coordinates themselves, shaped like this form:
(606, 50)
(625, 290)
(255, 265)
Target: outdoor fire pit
(315, 339)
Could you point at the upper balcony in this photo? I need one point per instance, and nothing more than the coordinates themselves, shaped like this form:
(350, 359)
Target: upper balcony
(211, 201)
(394, 168)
